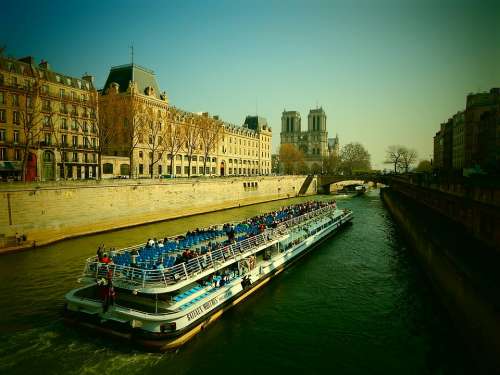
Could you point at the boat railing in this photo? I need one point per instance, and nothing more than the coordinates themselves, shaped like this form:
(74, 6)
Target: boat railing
(130, 276)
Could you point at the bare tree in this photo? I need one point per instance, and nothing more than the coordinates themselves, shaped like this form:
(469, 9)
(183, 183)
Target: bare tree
(134, 126)
(210, 132)
(408, 158)
(173, 137)
(32, 116)
(109, 114)
(156, 131)
(191, 135)
(394, 155)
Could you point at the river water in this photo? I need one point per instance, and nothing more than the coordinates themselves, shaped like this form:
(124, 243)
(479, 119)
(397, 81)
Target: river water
(358, 304)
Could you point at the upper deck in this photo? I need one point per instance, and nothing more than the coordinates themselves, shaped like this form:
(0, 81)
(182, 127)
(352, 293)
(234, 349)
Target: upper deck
(173, 277)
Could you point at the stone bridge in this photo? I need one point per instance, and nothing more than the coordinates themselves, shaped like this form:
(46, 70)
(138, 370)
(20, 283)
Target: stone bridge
(325, 182)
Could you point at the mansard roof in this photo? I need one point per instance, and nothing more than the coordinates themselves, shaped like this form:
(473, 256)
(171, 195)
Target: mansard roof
(124, 74)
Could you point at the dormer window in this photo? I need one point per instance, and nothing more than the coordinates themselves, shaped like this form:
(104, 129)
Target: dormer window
(149, 91)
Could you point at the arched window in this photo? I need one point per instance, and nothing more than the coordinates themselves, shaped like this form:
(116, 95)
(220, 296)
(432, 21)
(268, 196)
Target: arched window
(107, 168)
(48, 156)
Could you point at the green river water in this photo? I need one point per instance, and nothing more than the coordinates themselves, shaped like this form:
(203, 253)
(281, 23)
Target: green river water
(357, 304)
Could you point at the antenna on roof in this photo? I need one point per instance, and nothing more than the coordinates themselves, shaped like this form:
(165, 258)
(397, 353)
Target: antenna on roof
(256, 107)
(132, 53)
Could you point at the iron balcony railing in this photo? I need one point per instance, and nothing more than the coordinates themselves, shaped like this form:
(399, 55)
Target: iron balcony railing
(137, 278)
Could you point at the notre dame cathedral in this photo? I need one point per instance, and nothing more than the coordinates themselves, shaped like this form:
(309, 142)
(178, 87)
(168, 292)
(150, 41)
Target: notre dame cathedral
(313, 142)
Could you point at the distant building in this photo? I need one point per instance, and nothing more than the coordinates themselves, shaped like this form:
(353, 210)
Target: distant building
(52, 117)
(470, 140)
(313, 142)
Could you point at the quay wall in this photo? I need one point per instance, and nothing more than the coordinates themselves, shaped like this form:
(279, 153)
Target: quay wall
(50, 212)
(473, 308)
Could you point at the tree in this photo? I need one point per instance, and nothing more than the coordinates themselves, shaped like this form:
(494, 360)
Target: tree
(424, 166)
(134, 126)
(408, 158)
(157, 131)
(173, 139)
(353, 157)
(210, 133)
(191, 135)
(291, 157)
(110, 115)
(394, 155)
(32, 116)
(331, 164)
(315, 168)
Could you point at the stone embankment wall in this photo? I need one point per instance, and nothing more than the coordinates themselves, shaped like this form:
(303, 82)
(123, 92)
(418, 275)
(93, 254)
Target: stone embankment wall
(462, 272)
(51, 212)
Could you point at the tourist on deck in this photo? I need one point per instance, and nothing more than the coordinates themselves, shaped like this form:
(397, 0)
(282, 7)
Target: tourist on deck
(133, 256)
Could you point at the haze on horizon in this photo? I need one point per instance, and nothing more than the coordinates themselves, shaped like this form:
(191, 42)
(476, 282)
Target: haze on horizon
(386, 72)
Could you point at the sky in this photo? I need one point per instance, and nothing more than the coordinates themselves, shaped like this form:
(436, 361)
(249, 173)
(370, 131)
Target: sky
(385, 72)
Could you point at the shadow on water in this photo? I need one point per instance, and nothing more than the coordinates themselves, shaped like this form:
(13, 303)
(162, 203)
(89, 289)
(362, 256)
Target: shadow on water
(357, 304)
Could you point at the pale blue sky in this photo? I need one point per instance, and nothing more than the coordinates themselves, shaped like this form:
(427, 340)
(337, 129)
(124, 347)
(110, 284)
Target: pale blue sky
(386, 72)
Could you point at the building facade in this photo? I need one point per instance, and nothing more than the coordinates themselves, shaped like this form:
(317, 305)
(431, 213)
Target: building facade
(313, 142)
(470, 140)
(47, 122)
(232, 151)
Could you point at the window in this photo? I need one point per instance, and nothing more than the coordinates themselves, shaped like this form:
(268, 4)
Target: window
(94, 128)
(61, 93)
(107, 168)
(17, 154)
(193, 170)
(45, 89)
(2, 135)
(94, 142)
(64, 156)
(15, 100)
(48, 139)
(73, 95)
(141, 168)
(150, 140)
(186, 170)
(75, 140)
(179, 157)
(141, 154)
(3, 154)
(124, 169)
(75, 157)
(46, 105)
(150, 156)
(64, 123)
(29, 102)
(194, 158)
(46, 121)
(213, 170)
(2, 97)
(159, 169)
(178, 169)
(74, 124)
(1, 79)
(86, 157)
(3, 116)
(201, 170)
(15, 117)
(16, 136)
(64, 140)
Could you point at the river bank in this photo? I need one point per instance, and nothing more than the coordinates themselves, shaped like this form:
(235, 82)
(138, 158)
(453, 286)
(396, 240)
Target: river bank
(47, 213)
(462, 271)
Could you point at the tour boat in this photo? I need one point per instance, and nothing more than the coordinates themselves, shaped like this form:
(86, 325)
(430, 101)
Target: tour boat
(162, 295)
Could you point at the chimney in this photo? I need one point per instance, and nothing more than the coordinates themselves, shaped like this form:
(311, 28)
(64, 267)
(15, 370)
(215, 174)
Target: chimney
(44, 65)
(89, 78)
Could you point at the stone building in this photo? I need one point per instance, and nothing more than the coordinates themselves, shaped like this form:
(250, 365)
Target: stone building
(314, 141)
(470, 140)
(49, 116)
(237, 150)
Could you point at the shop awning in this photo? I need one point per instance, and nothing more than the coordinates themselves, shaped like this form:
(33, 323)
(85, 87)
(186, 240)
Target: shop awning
(10, 166)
